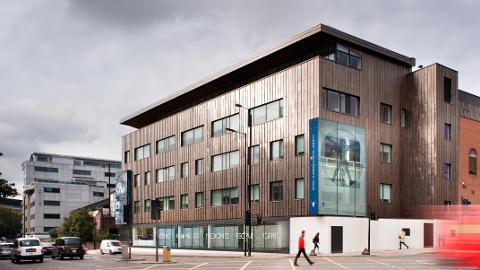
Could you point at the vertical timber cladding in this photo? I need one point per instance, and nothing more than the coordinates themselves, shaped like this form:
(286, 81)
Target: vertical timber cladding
(337, 169)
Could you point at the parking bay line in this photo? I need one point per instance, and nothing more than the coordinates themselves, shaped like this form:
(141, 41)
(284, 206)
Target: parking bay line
(386, 264)
(245, 266)
(200, 265)
(344, 267)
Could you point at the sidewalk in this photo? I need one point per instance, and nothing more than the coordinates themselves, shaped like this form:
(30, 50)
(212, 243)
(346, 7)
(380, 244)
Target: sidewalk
(147, 252)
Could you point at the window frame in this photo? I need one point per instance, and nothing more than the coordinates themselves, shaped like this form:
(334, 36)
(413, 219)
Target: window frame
(167, 144)
(447, 131)
(136, 207)
(127, 157)
(143, 151)
(254, 152)
(166, 172)
(263, 113)
(273, 149)
(344, 102)
(403, 118)
(199, 166)
(136, 180)
(386, 113)
(383, 196)
(231, 121)
(146, 178)
(274, 188)
(227, 196)
(147, 206)
(225, 160)
(194, 131)
(254, 193)
(183, 205)
(447, 171)
(298, 189)
(184, 169)
(472, 162)
(299, 138)
(382, 153)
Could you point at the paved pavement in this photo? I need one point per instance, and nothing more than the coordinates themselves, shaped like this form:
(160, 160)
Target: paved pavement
(149, 253)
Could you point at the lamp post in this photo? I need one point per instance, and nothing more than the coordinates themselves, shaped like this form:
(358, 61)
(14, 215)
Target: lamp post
(249, 164)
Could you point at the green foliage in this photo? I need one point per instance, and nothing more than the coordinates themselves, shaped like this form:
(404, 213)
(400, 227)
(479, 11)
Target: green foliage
(54, 233)
(10, 222)
(7, 189)
(99, 237)
(80, 224)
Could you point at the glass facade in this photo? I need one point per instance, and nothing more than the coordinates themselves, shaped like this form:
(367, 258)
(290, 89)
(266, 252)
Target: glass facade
(272, 236)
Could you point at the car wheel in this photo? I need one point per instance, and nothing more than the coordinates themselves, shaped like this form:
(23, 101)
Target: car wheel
(101, 252)
(41, 260)
(111, 253)
(17, 260)
(81, 257)
(11, 258)
(61, 256)
(53, 257)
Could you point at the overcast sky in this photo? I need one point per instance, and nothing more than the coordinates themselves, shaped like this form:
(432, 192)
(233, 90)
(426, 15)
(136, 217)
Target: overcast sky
(70, 70)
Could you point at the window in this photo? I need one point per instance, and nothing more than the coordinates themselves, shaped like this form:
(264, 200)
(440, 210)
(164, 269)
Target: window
(276, 150)
(98, 194)
(199, 166)
(447, 132)
(447, 89)
(184, 201)
(472, 162)
(386, 113)
(146, 179)
(255, 193)
(385, 193)
(51, 190)
(299, 188)
(347, 57)
(46, 169)
(166, 174)
(198, 199)
(219, 126)
(166, 203)
(136, 180)
(385, 153)
(51, 216)
(166, 144)
(184, 170)
(41, 158)
(47, 229)
(51, 203)
(225, 196)
(446, 171)
(107, 174)
(267, 112)
(404, 118)
(136, 207)
(147, 204)
(276, 191)
(299, 145)
(254, 155)
(126, 158)
(142, 152)
(341, 102)
(82, 172)
(225, 161)
(192, 136)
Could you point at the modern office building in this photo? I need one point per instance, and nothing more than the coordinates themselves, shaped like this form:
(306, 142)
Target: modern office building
(55, 185)
(335, 126)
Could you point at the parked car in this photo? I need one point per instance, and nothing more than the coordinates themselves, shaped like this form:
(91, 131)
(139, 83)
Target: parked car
(5, 249)
(110, 246)
(26, 249)
(47, 247)
(68, 247)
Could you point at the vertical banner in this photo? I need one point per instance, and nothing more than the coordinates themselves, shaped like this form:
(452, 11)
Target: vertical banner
(313, 170)
(122, 194)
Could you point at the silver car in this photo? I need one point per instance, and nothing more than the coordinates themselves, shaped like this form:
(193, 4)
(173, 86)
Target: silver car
(5, 249)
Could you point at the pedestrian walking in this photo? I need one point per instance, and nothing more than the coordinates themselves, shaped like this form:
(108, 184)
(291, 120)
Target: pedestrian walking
(316, 240)
(401, 238)
(301, 249)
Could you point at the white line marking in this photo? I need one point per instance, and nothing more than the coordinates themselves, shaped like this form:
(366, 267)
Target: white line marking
(245, 266)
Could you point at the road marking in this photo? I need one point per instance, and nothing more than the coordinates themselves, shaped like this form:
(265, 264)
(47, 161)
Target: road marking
(424, 262)
(245, 266)
(335, 263)
(291, 264)
(149, 267)
(386, 264)
(200, 265)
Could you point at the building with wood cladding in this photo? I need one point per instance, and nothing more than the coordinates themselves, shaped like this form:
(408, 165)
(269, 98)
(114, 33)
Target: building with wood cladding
(334, 126)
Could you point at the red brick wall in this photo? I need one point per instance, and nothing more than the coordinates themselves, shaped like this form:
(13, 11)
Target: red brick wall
(469, 138)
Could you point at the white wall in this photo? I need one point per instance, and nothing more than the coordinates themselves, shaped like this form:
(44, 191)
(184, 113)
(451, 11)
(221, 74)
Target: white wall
(383, 233)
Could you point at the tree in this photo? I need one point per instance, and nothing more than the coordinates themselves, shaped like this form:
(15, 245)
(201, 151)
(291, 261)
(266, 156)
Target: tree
(80, 224)
(10, 222)
(7, 189)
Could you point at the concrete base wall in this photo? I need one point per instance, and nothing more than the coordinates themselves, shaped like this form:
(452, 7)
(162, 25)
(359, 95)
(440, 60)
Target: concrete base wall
(383, 233)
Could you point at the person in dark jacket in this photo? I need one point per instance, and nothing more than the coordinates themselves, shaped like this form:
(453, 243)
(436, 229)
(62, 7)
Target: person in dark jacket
(316, 240)
(301, 249)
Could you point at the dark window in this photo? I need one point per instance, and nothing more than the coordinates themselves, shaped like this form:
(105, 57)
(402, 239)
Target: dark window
(472, 162)
(447, 133)
(199, 166)
(184, 201)
(167, 203)
(198, 199)
(385, 153)
(107, 174)
(98, 194)
(447, 89)
(341, 102)
(51, 190)
(446, 171)
(276, 191)
(51, 203)
(404, 118)
(46, 169)
(127, 157)
(136, 180)
(82, 172)
(51, 216)
(347, 57)
(146, 180)
(136, 207)
(40, 158)
(146, 209)
(386, 113)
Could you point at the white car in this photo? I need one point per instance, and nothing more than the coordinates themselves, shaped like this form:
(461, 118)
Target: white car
(5, 249)
(110, 246)
(26, 249)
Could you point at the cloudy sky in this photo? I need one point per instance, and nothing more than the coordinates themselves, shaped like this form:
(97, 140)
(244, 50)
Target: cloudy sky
(70, 70)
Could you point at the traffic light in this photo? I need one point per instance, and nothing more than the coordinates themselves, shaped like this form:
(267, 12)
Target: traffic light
(248, 217)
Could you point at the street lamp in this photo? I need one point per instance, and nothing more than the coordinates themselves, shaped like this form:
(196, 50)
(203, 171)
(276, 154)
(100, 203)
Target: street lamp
(249, 164)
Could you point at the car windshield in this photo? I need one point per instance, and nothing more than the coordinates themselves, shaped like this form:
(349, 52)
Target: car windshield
(7, 245)
(29, 243)
(72, 241)
(117, 244)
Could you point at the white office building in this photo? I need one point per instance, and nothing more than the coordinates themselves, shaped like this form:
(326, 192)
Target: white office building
(55, 185)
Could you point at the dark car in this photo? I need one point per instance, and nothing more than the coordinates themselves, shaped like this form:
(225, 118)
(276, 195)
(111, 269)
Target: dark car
(68, 247)
(47, 248)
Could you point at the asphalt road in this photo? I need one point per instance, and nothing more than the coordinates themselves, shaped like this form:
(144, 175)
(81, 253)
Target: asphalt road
(109, 262)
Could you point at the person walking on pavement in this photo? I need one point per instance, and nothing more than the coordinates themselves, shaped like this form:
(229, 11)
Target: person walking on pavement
(401, 238)
(316, 240)
(301, 249)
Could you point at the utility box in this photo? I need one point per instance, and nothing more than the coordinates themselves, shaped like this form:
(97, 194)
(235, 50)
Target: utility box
(125, 252)
(166, 254)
